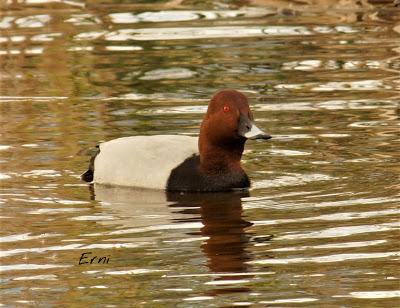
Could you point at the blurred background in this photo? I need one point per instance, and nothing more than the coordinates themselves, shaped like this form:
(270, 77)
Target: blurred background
(319, 226)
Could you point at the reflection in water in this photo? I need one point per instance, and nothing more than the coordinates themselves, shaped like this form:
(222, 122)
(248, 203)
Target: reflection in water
(223, 225)
(220, 215)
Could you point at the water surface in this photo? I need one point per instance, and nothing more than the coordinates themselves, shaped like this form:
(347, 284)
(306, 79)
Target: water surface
(320, 225)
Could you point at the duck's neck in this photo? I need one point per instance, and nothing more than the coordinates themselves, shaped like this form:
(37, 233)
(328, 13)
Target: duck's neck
(220, 158)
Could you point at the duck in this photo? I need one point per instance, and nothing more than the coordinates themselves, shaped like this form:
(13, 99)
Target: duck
(181, 163)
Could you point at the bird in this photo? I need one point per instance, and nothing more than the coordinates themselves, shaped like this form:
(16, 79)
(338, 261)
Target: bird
(180, 163)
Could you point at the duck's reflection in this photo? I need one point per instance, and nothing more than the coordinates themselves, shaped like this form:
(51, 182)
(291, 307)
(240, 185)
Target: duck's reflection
(223, 225)
(220, 214)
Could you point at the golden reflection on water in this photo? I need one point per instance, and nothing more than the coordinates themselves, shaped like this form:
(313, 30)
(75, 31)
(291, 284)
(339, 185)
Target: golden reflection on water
(320, 223)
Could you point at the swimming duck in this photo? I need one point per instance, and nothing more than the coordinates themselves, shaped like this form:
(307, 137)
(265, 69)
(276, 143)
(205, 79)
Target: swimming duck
(208, 163)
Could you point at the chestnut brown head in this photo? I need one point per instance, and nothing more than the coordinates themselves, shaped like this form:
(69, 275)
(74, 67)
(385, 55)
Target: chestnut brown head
(229, 119)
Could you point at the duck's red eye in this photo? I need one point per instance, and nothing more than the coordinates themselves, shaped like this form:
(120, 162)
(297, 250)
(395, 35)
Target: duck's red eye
(226, 108)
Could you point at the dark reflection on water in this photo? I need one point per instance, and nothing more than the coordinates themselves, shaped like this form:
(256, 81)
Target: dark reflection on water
(220, 215)
(319, 226)
(226, 239)
(223, 225)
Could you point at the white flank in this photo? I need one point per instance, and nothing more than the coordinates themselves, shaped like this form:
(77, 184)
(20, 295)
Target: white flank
(142, 161)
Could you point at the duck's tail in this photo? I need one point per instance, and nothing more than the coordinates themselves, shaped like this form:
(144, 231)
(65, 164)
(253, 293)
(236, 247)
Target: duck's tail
(89, 174)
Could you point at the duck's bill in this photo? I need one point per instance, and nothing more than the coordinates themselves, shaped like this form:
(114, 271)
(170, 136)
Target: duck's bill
(247, 129)
(256, 133)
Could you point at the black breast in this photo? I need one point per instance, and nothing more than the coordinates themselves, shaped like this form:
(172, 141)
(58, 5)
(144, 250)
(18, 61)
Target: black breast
(188, 177)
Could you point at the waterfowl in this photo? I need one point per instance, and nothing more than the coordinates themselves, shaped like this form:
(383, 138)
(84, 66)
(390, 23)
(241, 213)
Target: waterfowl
(208, 163)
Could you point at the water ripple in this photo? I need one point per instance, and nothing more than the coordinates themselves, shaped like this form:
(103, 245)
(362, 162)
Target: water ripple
(24, 267)
(37, 277)
(328, 259)
(181, 15)
(12, 252)
(375, 294)
(151, 34)
(25, 237)
(291, 300)
(332, 217)
(291, 180)
(342, 231)
(332, 246)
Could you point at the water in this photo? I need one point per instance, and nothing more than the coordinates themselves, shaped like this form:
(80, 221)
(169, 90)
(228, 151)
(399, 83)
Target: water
(320, 225)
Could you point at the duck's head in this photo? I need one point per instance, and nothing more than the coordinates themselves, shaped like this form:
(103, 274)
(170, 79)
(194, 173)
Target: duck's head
(229, 120)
